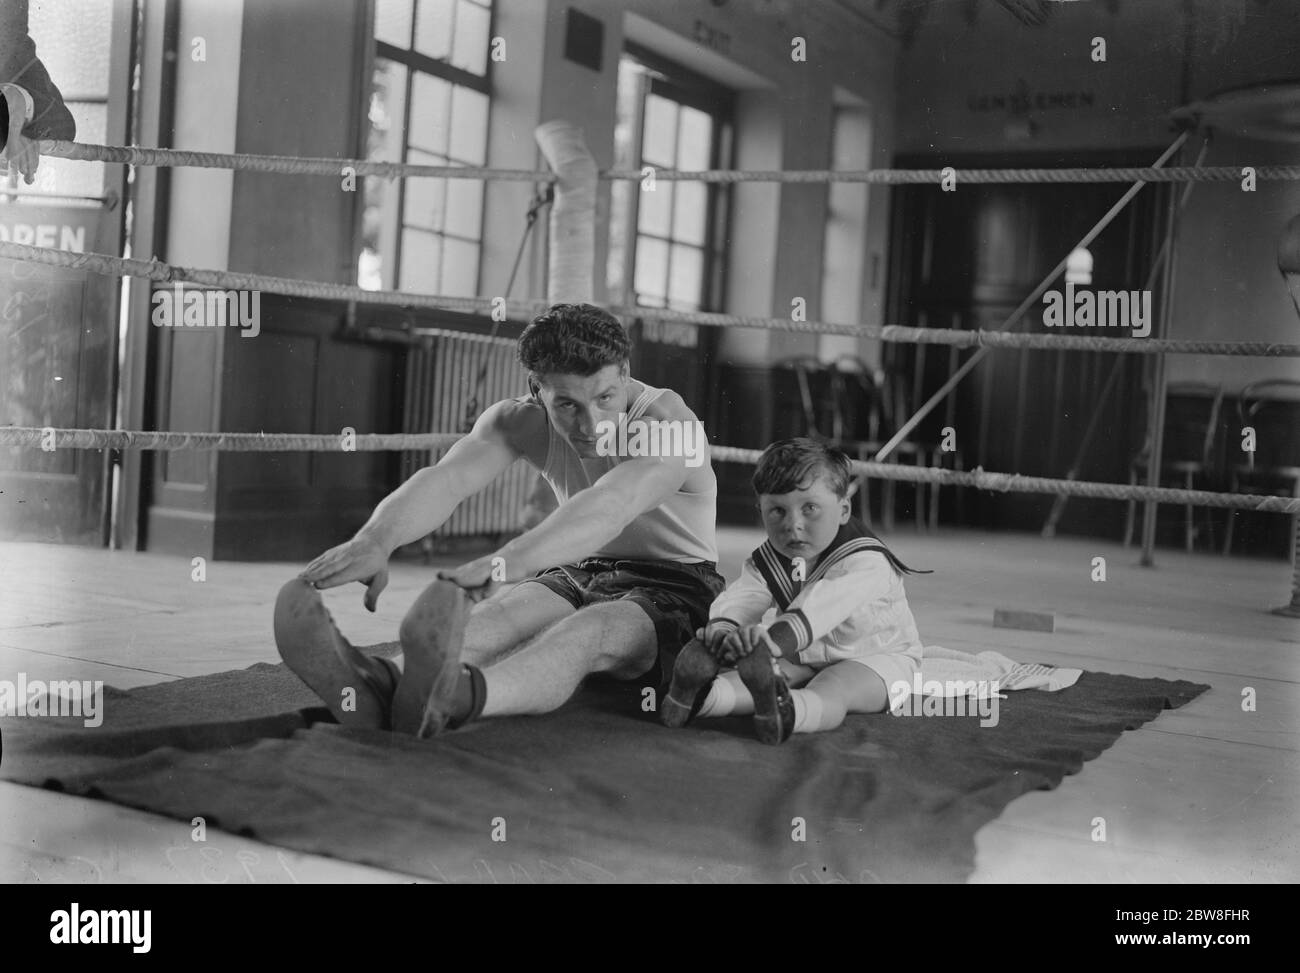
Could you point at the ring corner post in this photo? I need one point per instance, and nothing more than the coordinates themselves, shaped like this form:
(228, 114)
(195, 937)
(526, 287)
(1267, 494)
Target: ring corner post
(572, 250)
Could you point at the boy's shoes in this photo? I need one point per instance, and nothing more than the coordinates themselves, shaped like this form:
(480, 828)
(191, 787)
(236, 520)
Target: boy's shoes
(312, 647)
(773, 705)
(693, 673)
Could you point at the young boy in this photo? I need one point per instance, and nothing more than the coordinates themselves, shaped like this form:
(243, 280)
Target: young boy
(843, 629)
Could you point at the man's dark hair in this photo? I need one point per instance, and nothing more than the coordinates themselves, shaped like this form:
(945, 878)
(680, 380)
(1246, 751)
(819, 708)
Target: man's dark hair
(793, 464)
(573, 339)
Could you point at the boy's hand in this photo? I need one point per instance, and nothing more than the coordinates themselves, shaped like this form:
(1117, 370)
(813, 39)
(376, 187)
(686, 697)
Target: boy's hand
(755, 639)
(712, 636)
(743, 642)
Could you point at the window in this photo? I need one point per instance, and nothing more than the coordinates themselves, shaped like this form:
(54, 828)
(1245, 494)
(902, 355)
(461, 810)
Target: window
(73, 39)
(845, 241)
(428, 105)
(666, 244)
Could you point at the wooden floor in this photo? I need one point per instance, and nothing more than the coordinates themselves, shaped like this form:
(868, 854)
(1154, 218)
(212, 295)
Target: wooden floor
(1208, 793)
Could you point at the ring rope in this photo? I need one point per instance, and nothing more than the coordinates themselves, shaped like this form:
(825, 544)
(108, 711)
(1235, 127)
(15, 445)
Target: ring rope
(282, 164)
(290, 442)
(234, 442)
(894, 177)
(1017, 483)
(524, 311)
(292, 165)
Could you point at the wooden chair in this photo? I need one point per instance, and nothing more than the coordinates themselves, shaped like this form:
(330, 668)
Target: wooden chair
(836, 417)
(1188, 454)
(1274, 469)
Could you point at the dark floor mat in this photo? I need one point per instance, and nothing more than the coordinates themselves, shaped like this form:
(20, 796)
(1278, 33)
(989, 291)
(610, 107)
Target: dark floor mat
(595, 792)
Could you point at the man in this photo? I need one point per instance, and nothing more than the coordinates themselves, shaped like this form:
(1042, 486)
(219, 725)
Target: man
(31, 107)
(616, 579)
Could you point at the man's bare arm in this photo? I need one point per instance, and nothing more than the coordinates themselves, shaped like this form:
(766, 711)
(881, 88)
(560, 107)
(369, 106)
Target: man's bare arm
(423, 502)
(594, 516)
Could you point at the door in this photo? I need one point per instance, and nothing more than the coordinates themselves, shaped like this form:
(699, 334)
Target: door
(966, 259)
(58, 328)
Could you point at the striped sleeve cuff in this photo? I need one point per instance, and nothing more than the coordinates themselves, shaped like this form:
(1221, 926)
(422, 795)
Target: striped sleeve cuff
(791, 633)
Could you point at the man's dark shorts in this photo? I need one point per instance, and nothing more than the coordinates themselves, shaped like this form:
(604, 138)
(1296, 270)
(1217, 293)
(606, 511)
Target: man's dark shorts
(676, 597)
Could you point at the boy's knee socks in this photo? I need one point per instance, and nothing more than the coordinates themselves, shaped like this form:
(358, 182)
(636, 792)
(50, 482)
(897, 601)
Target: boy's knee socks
(808, 711)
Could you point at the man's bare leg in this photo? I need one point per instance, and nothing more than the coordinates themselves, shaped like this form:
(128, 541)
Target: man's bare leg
(501, 624)
(617, 638)
(437, 688)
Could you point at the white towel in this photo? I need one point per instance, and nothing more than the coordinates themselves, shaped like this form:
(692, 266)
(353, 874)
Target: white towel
(951, 672)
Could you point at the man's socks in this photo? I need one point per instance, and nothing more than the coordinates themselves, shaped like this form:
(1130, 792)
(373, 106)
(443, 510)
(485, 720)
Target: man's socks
(469, 696)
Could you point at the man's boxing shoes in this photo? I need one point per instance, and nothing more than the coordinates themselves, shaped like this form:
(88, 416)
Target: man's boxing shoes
(773, 705)
(357, 689)
(693, 673)
(436, 691)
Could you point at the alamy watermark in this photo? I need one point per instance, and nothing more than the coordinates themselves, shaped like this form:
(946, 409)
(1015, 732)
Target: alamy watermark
(652, 437)
(1083, 308)
(931, 697)
(182, 307)
(78, 926)
(60, 697)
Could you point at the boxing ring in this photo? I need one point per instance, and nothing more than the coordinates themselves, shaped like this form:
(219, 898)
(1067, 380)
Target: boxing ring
(573, 180)
(889, 800)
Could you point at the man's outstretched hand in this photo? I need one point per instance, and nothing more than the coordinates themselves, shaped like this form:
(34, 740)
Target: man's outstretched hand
(476, 577)
(360, 559)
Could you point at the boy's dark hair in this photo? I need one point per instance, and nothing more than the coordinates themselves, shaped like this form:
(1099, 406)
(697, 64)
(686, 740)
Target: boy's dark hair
(792, 464)
(573, 339)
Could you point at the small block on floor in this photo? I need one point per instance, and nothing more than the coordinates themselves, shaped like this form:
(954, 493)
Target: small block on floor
(1029, 621)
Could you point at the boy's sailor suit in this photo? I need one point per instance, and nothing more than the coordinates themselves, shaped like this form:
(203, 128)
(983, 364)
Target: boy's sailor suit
(849, 607)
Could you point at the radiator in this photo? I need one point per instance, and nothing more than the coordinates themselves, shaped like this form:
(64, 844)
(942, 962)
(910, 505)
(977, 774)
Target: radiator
(441, 374)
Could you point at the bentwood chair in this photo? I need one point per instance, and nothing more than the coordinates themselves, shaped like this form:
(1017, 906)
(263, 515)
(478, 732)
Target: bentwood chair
(1188, 453)
(1273, 467)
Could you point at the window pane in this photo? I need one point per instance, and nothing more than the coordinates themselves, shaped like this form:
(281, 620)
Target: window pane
(425, 205)
(73, 38)
(651, 269)
(430, 113)
(690, 212)
(694, 139)
(433, 21)
(459, 268)
(67, 176)
(393, 22)
(464, 207)
(471, 48)
(686, 282)
(656, 208)
(469, 120)
(421, 260)
(659, 143)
